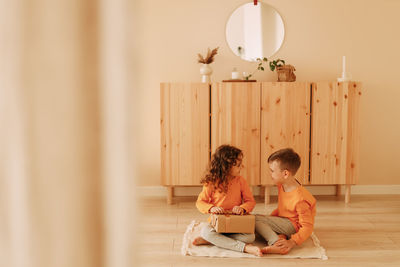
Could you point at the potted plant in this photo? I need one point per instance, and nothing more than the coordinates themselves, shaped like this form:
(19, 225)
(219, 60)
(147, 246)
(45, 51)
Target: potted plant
(285, 72)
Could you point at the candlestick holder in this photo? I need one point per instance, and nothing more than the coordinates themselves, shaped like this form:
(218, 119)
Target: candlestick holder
(346, 76)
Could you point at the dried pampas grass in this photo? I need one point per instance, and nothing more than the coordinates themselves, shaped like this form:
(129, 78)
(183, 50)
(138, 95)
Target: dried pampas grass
(209, 58)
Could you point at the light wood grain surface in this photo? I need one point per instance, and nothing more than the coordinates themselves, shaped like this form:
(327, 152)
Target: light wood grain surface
(285, 122)
(335, 133)
(365, 232)
(235, 120)
(185, 132)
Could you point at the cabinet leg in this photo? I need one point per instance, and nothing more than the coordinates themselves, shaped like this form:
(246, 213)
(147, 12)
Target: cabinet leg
(338, 190)
(267, 195)
(347, 195)
(170, 195)
(262, 191)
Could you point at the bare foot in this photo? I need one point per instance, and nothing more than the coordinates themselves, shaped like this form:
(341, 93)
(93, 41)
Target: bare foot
(265, 249)
(198, 241)
(254, 250)
(273, 250)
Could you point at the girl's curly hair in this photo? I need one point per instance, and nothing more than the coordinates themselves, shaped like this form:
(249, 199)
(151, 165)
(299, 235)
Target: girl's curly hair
(220, 165)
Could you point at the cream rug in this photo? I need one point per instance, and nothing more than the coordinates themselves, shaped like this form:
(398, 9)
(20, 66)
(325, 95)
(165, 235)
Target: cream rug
(311, 248)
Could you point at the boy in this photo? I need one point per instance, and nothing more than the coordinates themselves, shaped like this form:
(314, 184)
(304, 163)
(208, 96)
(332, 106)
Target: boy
(294, 217)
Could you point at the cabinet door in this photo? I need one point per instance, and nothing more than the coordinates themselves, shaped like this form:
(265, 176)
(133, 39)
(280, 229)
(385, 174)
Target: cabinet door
(185, 132)
(335, 133)
(235, 120)
(285, 122)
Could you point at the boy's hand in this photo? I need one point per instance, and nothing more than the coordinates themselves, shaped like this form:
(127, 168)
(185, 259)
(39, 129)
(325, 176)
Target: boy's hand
(238, 210)
(217, 210)
(285, 245)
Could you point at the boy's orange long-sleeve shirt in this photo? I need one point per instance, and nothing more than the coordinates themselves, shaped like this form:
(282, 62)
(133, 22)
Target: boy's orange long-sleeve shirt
(238, 194)
(299, 206)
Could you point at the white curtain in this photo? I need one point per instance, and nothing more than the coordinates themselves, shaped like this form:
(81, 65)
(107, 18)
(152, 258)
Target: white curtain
(66, 161)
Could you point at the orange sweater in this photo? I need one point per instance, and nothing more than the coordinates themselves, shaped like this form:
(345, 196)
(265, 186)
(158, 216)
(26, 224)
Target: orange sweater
(238, 194)
(299, 207)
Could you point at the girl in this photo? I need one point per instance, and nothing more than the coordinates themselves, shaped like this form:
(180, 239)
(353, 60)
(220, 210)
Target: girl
(225, 190)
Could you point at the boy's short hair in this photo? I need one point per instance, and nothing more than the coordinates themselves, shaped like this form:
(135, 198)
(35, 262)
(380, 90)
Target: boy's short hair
(288, 159)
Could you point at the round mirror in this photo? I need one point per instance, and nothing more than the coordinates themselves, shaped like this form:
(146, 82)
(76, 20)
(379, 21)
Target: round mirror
(255, 31)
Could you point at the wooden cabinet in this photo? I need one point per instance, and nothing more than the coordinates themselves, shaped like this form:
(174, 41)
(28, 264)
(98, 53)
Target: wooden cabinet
(185, 133)
(235, 120)
(335, 134)
(318, 120)
(285, 122)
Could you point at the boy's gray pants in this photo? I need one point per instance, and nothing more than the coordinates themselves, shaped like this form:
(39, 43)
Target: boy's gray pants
(270, 226)
(234, 242)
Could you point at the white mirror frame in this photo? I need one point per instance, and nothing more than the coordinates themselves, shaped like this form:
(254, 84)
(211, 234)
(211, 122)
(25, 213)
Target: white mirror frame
(255, 31)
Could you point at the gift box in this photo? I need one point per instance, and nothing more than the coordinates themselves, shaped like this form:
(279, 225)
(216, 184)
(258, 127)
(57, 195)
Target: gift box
(228, 223)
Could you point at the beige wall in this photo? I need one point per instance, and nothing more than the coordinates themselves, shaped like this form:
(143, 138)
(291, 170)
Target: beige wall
(318, 33)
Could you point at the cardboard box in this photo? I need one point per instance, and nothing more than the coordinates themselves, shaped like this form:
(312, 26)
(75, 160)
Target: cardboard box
(227, 223)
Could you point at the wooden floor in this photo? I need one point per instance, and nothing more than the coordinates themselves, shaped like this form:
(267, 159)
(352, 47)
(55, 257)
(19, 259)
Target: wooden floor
(365, 232)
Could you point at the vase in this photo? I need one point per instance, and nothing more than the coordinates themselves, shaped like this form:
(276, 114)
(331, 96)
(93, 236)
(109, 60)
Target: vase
(205, 71)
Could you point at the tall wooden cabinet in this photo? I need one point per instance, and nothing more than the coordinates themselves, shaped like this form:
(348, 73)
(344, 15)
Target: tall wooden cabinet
(235, 120)
(185, 133)
(285, 122)
(318, 120)
(335, 134)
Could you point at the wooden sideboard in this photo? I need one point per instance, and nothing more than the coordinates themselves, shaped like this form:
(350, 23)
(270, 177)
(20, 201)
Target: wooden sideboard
(319, 120)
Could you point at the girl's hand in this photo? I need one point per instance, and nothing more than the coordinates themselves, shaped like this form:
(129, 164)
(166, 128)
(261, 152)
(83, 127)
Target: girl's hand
(217, 210)
(238, 210)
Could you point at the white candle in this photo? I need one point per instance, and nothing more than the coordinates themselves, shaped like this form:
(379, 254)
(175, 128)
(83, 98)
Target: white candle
(344, 64)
